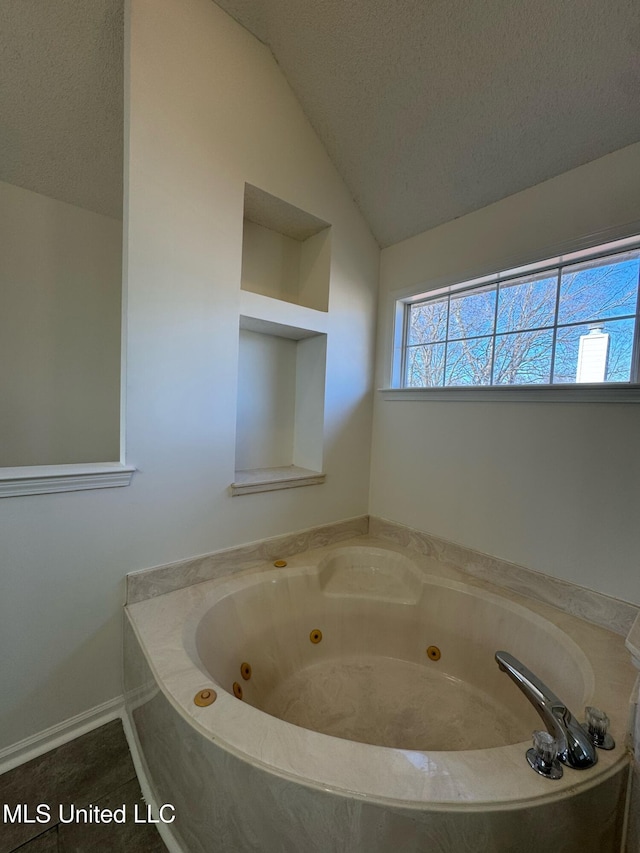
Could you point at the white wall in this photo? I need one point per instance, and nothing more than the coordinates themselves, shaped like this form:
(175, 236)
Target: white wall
(266, 401)
(280, 408)
(209, 110)
(555, 486)
(270, 262)
(295, 270)
(61, 274)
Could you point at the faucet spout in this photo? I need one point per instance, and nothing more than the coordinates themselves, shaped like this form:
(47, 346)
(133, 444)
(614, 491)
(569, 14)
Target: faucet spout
(575, 748)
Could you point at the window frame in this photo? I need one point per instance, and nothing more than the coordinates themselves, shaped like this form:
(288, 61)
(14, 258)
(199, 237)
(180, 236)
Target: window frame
(601, 246)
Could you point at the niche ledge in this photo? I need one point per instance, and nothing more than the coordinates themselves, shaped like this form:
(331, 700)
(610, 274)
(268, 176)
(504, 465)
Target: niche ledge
(49, 479)
(256, 480)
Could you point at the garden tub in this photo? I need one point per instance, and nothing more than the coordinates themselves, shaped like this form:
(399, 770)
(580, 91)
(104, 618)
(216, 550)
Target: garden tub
(358, 707)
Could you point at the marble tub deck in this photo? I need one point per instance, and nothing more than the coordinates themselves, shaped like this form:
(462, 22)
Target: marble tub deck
(611, 613)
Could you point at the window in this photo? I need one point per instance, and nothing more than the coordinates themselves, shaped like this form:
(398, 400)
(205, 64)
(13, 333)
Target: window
(567, 320)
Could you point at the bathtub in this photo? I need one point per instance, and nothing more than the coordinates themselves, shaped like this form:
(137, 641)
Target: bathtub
(358, 707)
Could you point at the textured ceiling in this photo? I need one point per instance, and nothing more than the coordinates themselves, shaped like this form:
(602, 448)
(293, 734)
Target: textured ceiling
(61, 100)
(432, 109)
(429, 109)
(274, 213)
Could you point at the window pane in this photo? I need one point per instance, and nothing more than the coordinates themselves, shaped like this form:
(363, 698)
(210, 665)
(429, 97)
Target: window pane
(523, 358)
(425, 366)
(472, 314)
(605, 356)
(469, 362)
(428, 322)
(599, 289)
(527, 303)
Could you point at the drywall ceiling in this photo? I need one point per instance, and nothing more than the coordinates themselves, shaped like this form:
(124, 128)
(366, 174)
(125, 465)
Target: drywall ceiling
(429, 109)
(61, 100)
(432, 109)
(274, 213)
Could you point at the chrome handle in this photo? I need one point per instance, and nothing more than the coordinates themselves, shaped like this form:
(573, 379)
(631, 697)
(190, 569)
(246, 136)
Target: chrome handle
(598, 726)
(543, 756)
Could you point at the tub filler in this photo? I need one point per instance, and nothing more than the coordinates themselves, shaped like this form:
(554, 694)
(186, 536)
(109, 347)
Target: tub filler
(358, 707)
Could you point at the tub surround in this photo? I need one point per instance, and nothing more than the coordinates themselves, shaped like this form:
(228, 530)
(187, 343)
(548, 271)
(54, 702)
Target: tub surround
(633, 834)
(161, 625)
(282, 769)
(162, 579)
(610, 613)
(422, 798)
(633, 642)
(244, 807)
(633, 831)
(603, 610)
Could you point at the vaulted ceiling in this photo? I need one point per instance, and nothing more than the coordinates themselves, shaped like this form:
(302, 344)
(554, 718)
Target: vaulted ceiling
(433, 108)
(429, 108)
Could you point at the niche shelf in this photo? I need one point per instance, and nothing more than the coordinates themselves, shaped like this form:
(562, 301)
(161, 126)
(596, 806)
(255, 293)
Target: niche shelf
(273, 479)
(280, 414)
(286, 252)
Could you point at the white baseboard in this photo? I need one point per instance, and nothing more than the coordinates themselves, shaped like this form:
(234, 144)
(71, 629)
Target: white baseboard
(38, 744)
(166, 834)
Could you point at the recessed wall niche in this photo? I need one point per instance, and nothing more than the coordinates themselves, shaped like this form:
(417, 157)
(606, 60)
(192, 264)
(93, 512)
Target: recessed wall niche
(280, 415)
(286, 252)
(286, 262)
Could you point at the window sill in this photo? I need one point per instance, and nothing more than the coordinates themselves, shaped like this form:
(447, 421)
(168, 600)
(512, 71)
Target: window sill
(49, 479)
(613, 393)
(272, 479)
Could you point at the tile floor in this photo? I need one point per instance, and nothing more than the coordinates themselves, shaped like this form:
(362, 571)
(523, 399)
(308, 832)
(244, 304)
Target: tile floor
(95, 769)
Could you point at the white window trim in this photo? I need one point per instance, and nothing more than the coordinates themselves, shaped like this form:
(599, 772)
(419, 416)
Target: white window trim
(396, 310)
(582, 393)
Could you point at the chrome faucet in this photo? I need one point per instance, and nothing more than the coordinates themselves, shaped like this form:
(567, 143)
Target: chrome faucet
(575, 746)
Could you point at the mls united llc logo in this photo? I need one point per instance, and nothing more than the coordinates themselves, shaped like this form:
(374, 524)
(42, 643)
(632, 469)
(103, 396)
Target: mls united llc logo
(44, 813)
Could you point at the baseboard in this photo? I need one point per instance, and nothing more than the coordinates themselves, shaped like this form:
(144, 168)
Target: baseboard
(38, 744)
(167, 836)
